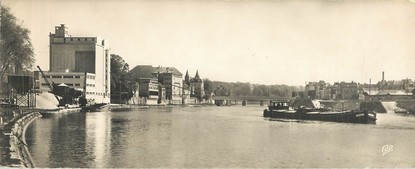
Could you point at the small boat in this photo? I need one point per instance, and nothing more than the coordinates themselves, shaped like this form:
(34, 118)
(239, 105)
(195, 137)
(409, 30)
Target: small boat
(57, 111)
(222, 103)
(99, 107)
(281, 109)
(119, 108)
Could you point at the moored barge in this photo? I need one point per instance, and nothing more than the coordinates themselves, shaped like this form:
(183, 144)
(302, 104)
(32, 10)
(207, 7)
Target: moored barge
(281, 109)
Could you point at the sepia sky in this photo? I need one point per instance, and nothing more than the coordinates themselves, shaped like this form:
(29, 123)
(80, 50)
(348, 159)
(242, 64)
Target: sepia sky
(261, 42)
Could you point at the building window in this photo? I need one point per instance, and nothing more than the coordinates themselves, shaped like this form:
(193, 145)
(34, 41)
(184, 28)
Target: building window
(77, 77)
(68, 77)
(93, 39)
(71, 39)
(79, 39)
(56, 76)
(86, 39)
(77, 84)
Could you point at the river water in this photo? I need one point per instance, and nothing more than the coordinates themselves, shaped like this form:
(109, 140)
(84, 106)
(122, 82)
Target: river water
(216, 137)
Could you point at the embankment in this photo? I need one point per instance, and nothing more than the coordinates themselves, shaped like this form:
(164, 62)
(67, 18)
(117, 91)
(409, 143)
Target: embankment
(408, 105)
(302, 102)
(375, 106)
(341, 105)
(15, 151)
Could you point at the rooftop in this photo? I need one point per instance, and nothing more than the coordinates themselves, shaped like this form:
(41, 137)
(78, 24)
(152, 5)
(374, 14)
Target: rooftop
(148, 71)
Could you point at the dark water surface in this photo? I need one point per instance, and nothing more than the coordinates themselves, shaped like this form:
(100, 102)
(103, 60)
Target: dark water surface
(216, 137)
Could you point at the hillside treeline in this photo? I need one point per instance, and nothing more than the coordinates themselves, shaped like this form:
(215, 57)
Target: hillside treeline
(218, 88)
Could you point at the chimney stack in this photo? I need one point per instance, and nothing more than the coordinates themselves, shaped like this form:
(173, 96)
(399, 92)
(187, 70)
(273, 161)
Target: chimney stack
(383, 76)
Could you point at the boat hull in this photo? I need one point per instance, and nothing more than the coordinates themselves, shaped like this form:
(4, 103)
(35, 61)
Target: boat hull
(343, 117)
(52, 112)
(96, 108)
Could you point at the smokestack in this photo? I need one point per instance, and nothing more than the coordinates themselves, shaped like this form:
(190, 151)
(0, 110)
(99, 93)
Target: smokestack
(383, 76)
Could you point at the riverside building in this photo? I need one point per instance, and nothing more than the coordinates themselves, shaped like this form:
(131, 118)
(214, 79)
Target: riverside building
(168, 79)
(195, 86)
(79, 62)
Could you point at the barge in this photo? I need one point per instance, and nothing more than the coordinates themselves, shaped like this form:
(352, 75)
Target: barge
(281, 109)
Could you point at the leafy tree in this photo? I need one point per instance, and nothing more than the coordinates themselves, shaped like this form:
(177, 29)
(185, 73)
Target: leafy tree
(222, 91)
(198, 92)
(260, 90)
(16, 50)
(208, 88)
(206, 96)
(294, 94)
(241, 89)
(121, 81)
(244, 89)
(312, 94)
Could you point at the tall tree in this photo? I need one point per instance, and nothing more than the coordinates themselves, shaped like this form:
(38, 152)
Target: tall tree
(121, 81)
(119, 68)
(208, 88)
(16, 50)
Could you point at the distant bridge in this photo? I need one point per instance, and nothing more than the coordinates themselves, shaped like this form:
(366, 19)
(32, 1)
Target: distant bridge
(243, 100)
(250, 98)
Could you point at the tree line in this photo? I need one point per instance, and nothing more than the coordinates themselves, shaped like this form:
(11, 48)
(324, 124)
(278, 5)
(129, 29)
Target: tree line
(219, 88)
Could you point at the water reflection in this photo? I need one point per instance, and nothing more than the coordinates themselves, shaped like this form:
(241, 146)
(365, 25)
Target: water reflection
(42, 133)
(98, 136)
(215, 137)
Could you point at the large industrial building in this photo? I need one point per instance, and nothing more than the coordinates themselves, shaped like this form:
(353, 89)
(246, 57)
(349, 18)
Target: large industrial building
(81, 63)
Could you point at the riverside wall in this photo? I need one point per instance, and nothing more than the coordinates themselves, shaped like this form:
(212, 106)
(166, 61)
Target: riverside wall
(15, 152)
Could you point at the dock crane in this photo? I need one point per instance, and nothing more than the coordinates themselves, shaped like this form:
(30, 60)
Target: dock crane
(47, 83)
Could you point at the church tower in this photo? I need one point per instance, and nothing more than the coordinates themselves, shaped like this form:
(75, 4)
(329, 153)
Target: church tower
(187, 78)
(197, 78)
